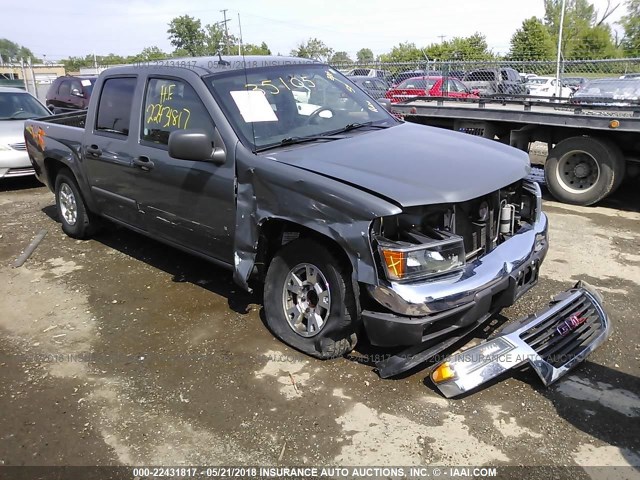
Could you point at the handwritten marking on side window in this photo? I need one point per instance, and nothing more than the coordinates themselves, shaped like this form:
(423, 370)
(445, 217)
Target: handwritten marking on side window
(164, 114)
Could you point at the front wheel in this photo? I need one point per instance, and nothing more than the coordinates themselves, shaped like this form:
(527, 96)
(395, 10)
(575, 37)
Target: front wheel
(584, 170)
(309, 300)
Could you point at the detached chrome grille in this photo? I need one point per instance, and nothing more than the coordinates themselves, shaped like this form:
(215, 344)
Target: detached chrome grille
(19, 146)
(561, 337)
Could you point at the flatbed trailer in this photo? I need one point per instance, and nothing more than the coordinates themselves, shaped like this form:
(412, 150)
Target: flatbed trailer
(592, 148)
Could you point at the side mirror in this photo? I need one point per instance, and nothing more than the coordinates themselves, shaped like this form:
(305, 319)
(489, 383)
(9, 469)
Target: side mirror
(195, 145)
(475, 91)
(386, 103)
(52, 109)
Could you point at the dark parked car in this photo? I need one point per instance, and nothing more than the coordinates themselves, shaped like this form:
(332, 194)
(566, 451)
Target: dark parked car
(496, 81)
(575, 83)
(376, 87)
(353, 220)
(609, 91)
(70, 93)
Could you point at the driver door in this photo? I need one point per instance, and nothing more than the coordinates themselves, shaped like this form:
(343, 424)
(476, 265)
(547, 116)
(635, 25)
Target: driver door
(189, 203)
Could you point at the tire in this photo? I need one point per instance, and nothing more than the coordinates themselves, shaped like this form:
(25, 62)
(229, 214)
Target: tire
(77, 221)
(336, 335)
(584, 170)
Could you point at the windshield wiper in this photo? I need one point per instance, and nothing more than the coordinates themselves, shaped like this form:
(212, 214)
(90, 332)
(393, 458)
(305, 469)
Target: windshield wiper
(297, 140)
(352, 126)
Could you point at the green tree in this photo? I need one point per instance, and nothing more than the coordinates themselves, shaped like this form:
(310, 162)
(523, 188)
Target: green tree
(365, 55)
(12, 52)
(186, 33)
(532, 41)
(251, 49)
(403, 52)
(74, 64)
(595, 43)
(215, 41)
(473, 47)
(147, 53)
(631, 24)
(584, 36)
(313, 48)
(340, 57)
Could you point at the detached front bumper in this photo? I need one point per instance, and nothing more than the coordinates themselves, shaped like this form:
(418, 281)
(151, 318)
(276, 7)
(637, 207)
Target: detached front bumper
(486, 285)
(552, 342)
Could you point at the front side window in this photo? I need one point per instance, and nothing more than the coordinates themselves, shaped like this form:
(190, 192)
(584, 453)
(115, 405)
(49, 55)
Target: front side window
(417, 83)
(270, 104)
(114, 109)
(172, 105)
(76, 88)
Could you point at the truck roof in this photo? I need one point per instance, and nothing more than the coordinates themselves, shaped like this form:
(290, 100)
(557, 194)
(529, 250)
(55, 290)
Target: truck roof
(212, 64)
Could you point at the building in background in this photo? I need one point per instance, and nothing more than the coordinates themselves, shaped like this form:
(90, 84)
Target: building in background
(35, 78)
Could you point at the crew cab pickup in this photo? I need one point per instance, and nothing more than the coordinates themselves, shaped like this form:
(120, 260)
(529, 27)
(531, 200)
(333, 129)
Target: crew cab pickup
(284, 171)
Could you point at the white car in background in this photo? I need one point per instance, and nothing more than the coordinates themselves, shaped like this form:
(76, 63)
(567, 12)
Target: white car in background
(546, 87)
(16, 106)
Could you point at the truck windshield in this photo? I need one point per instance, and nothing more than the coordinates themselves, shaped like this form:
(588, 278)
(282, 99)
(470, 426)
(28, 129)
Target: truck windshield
(271, 104)
(20, 106)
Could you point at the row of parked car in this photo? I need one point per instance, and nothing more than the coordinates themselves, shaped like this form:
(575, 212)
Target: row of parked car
(493, 82)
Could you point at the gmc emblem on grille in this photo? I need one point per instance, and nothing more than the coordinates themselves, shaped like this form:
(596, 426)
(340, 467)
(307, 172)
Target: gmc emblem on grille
(569, 325)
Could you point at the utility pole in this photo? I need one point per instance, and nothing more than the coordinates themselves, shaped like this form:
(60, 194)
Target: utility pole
(559, 49)
(226, 32)
(240, 42)
(24, 75)
(442, 37)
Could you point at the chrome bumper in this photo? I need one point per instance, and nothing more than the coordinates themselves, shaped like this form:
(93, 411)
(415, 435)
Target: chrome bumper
(552, 342)
(427, 298)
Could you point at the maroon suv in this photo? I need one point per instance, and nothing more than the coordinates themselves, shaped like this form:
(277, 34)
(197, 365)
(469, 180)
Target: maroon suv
(70, 93)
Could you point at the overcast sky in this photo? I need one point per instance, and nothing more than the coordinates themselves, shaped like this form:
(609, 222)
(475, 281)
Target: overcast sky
(77, 27)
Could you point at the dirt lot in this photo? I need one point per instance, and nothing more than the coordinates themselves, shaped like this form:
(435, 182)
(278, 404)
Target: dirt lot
(120, 350)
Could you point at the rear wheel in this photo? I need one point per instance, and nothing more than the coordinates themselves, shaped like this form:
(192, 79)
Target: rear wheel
(309, 300)
(584, 170)
(76, 220)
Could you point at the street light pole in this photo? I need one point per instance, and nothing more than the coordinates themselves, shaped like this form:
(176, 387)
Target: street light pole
(559, 49)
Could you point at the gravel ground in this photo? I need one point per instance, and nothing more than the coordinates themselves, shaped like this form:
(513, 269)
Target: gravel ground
(122, 351)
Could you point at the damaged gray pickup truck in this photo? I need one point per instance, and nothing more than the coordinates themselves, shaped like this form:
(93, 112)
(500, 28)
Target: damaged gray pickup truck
(283, 171)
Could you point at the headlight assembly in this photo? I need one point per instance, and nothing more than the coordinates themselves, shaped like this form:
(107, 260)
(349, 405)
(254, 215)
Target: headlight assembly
(425, 260)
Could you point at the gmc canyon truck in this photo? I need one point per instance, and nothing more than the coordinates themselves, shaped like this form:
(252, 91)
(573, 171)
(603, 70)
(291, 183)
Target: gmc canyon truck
(282, 170)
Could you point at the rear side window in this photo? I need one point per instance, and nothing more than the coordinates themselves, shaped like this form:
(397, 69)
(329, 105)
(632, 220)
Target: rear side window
(114, 109)
(481, 76)
(65, 88)
(172, 105)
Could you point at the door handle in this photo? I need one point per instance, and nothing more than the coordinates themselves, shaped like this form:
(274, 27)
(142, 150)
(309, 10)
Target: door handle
(144, 163)
(94, 150)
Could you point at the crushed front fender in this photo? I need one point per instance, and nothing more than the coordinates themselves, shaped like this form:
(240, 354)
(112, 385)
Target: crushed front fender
(552, 341)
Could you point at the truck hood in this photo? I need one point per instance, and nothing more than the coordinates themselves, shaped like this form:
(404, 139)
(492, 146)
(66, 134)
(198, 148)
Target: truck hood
(411, 164)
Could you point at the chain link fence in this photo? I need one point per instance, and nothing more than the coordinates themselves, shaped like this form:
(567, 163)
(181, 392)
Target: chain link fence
(39, 77)
(588, 69)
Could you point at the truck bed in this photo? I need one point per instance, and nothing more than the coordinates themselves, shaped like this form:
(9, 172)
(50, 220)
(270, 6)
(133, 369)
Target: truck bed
(77, 118)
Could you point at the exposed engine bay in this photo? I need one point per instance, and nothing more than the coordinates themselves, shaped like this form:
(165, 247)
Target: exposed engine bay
(434, 240)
